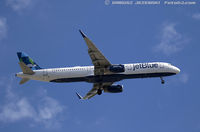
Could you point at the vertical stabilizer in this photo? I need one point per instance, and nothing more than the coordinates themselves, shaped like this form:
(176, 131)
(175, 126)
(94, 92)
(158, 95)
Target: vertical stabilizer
(23, 57)
(26, 69)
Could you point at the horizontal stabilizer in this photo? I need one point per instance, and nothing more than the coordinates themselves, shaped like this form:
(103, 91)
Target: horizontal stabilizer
(24, 80)
(26, 69)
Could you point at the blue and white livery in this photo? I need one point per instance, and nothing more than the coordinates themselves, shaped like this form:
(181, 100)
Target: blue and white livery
(102, 74)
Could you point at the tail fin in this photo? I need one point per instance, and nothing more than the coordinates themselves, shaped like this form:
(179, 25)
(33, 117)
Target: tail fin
(26, 69)
(23, 57)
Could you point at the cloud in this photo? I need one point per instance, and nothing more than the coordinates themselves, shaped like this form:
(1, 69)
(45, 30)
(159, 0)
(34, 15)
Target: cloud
(171, 41)
(3, 27)
(196, 16)
(184, 77)
(18, 108)
(18, 5)
(48, 110)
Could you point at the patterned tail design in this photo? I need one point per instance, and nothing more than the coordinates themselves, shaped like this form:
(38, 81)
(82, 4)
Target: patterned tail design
(23, 57)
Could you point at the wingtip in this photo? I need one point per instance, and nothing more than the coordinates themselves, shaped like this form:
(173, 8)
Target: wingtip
(83, 35)
(79, 96)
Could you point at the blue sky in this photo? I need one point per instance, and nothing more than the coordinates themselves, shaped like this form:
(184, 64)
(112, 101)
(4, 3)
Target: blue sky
(47, 30)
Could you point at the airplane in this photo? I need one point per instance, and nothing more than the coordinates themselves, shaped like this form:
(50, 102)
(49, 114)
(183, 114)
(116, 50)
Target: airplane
(103, 74)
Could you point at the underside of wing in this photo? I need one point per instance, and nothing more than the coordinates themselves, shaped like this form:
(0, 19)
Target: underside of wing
(96, 87)
(92, 92)
(98, 59)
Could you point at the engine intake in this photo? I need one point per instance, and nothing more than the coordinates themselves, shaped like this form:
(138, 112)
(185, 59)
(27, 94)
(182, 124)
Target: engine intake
(117, 68)
(113, 89)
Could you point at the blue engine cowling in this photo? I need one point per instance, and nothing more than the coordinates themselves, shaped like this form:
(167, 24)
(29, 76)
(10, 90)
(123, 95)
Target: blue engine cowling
(113, 89)
(117, 68)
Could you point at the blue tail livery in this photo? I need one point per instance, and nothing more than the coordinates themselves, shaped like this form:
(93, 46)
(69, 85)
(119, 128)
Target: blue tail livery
(23, 57)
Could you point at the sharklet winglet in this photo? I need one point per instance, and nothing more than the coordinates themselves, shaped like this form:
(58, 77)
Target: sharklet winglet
(79, 96)
(83, 35)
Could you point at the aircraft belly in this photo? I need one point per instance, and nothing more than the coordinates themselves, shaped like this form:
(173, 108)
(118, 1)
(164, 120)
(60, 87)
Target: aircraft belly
(111, 77)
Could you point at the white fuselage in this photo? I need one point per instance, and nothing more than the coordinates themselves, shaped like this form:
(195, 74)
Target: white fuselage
(86, 73)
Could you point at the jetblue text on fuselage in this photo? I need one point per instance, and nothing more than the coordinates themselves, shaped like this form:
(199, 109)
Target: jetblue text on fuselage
(144, 65)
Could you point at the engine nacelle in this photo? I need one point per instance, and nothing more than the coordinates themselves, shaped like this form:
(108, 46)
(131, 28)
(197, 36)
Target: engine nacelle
(113, 89)
(117, 68)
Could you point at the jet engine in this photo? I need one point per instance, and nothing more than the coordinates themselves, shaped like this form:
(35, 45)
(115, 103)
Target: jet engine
(117, 68)
(113, 89)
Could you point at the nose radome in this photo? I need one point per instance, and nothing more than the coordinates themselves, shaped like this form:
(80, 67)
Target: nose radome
(177, 70)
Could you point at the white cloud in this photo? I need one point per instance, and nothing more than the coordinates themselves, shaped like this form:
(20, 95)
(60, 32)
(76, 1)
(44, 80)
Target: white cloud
(49, 108)
(17, 108)
(3, 27)
(184, 77)
(171, 40)
(196, 16)
(18, 5)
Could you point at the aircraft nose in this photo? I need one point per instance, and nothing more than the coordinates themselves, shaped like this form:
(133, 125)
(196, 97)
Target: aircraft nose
(177, 70)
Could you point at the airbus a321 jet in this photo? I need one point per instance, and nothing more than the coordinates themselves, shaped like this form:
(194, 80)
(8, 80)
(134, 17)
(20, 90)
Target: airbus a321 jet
(102, 74)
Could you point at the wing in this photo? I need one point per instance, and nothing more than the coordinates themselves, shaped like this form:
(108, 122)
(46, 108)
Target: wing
(98, 59)
(93, 91)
